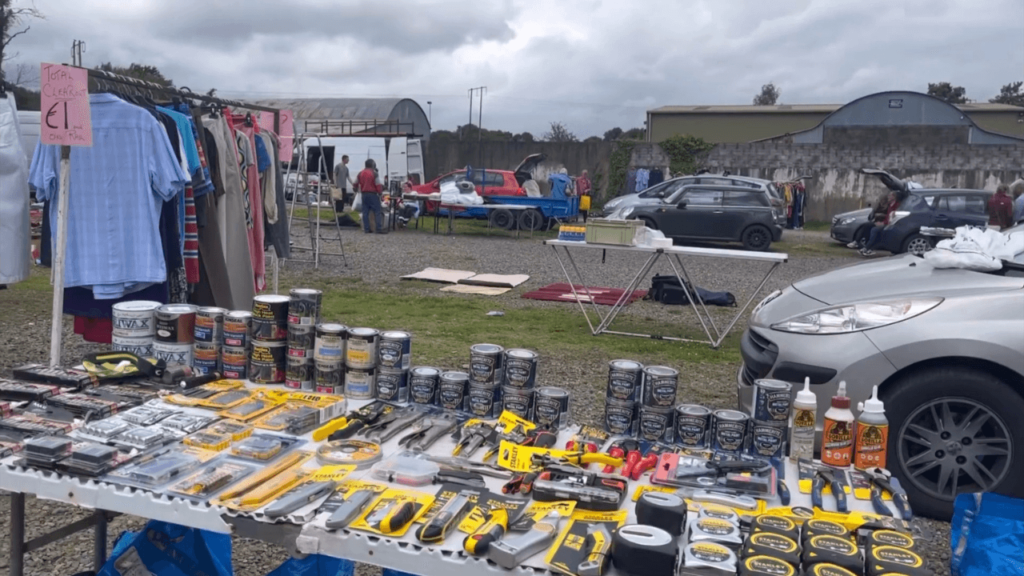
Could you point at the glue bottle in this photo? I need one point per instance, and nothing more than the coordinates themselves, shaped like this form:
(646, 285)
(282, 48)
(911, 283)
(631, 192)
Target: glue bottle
(801, 433)
(872, 437)
(837, 435)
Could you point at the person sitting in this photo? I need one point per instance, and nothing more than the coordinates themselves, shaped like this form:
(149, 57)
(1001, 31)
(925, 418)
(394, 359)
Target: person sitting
(1000, 209)
(880, 215)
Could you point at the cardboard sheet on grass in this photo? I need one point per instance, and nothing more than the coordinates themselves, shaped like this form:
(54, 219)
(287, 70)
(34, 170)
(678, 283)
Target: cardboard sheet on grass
(562, 292)
(465, 282)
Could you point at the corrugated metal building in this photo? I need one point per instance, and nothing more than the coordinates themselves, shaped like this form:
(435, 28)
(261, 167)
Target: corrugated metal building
(357, 116)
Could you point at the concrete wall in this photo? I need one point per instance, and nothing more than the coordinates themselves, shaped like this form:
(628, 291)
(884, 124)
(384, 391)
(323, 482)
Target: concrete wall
(731, 127)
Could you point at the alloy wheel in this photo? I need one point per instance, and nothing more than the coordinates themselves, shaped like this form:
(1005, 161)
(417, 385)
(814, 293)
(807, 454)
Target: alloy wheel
(918, 246)
(954, 445)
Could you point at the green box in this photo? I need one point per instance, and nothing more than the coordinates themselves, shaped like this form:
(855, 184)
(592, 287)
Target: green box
(616, 232)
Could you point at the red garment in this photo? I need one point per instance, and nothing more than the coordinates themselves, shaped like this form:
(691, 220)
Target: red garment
(1000, 210)
(583, 186)
(367, 182)
(96, 330)
(888, 213)
(254, 200)
(191, 238)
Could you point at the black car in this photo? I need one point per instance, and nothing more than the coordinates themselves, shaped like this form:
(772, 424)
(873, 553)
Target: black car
(716, 213)
(928, 207)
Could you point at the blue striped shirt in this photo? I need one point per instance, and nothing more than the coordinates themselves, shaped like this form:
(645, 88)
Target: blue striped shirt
(118, 187)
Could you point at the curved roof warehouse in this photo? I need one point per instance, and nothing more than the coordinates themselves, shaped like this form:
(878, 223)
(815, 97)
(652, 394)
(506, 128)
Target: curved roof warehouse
(378, 117)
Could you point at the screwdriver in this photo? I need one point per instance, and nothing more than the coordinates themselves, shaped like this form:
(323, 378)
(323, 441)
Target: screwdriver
(437, 528)
(398, 517)
(479, 542)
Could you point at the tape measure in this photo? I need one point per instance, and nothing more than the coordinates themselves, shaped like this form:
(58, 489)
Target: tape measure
(358, 453)
(765, 566)
(665, 511)
(639, 550)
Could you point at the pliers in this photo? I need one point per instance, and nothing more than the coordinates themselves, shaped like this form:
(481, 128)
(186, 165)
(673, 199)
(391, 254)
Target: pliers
(821, 477)
(880, 482)
(391, 424)
(433, 428)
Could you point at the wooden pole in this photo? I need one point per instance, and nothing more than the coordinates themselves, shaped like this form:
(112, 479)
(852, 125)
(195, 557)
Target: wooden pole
(59, 251)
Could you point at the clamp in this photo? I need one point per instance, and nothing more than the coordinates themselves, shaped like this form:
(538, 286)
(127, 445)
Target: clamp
(821, 477)
(881, 482)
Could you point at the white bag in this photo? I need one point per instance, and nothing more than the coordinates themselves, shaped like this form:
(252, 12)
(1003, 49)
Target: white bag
(975, 249)
(357, 203)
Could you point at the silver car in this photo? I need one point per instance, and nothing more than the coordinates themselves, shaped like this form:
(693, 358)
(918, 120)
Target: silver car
(944, 346)
(661, 192)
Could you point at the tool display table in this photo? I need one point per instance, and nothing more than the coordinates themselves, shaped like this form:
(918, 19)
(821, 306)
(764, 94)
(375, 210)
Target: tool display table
(715, 336)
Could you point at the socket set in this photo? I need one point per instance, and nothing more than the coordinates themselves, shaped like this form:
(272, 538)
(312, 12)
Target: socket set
(82, 406)
(160, 467)
(263, 447)
(292, 419)
(90, 459)
(103, 431)
(141, 438)
(208, 440)
(212, 479)
(225, 400)
(186, 423)
(236, 430)
(32, 425)
(146, 415)
(24, 391)
(63, 377)
(46, 451)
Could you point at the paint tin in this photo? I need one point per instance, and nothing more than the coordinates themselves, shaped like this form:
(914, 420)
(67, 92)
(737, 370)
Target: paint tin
(330, 342)
(521, 368)
(141, 347)
(693, 424)
(625, 380)
(204, 363)
(483, 400)
(210, 325)
(730, 431)
(267, 362)
(656, 424)
(173, 353)
(135, 318)
(361, 349)
(330, 376)
(485, 363)
(237, 328)
(299, 375)
(660, 385)
(517, 401)
(304, 307)
(393, 385)
(234, 362)
(175, 323)
(767, 438)
(270, 317)
(423, 384)
(620, 417)
(395, 350)
(452, 389)
(360, 384)
(551, 408)
(301, 340)
(772, 400)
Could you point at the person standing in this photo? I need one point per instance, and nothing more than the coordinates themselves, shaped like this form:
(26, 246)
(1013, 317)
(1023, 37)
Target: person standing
(1017, 190)
(343, 181)
(370, 188)
(583, 187)
(1000, 209)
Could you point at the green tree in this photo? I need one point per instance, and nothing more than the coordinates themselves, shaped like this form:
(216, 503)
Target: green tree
(948, 92)
(1010, 94)
(634, 134)
(559, 133)
(12, 25)
(685, 153)
(769, 95)
(613, 134)
(593, 139)
(524, 137)
(140, 71)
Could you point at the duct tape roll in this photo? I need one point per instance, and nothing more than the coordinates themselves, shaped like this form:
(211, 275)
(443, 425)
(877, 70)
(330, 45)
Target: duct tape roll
(661, 510)
(640, 550)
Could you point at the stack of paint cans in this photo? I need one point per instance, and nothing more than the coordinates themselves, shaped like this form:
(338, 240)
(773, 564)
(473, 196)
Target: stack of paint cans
(729, 432)
(269, 333)
(329, 358)
(486, 373)
(452, 389)
(656, 419)
(134, 327)
(175, 330)
(394, 359)
(424, 382)
(361, 363)
(694, 424)
(769, 427)
(237, 342)
(625, 388)
(303, 318)
(208, 339)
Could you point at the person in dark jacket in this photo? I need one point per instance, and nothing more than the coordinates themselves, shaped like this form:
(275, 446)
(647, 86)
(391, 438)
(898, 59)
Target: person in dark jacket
(880, 214)
(370, 188)
(1000, 209)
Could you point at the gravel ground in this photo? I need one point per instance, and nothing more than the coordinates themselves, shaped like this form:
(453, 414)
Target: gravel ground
(380, 260)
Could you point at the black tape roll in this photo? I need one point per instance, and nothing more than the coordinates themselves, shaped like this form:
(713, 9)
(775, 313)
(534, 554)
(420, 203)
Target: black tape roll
(661, 510)
(639, 550)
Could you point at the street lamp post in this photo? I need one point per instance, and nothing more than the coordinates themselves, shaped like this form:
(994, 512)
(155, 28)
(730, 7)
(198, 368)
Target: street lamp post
(430, 114)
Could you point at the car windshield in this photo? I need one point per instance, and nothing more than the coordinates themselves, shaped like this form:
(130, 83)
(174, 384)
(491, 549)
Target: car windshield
(915, 203)
(453, 178)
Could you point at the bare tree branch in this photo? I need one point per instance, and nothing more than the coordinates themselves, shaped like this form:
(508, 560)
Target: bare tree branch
(15, 35)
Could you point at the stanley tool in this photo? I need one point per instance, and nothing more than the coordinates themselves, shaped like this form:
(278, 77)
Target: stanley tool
(881, 482)
(299, 497)
(393, 517)
(433, 428)
(575, 459)
(359, 419)
(479, 542)
(821, 477)
(598, 545)
(513, 551)
(391, 424)
(619, 449)
(446, 519)
(471, 437)
(350, 509)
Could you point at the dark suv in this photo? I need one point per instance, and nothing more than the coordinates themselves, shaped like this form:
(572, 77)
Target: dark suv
(716, 213)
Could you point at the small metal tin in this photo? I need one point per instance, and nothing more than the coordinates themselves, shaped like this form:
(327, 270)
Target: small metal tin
(134, 319)
(210, 325)
(660, 386)
(299, 375)
(393, 385)
(483, 400)
(304, 306)
(485, 363)
(175, 323)
(773, 400)
(234, 362)
(395, 350)
(205, 358)
(730, 431)
(620, 417)
(767, 439)
(517, 401)
(237, 328)
(141, 347)
(520, 368)
(360, 384)
(361, 349)
(330, 342)
(173, 353)
(423, 384)
(301, 340)
(203, 366)
(452, 389)
(330, 375)
(268, 331)
(693, 425)
(625, 380)
(656, 424)
(270, 317)
(551, 408)
(267, 362)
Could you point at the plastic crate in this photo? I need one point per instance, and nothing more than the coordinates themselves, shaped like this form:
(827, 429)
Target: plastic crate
(617, 232)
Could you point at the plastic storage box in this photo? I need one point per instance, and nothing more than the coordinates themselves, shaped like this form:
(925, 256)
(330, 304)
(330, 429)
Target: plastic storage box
(616, 232)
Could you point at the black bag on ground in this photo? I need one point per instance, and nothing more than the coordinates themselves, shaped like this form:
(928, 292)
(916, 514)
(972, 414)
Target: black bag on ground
(667, 289)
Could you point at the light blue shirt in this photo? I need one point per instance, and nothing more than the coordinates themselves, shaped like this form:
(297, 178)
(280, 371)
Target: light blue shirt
(1018, 209)
(559, 184)
(118, 187)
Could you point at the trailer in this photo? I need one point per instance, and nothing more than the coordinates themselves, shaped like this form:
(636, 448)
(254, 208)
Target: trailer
(538, 213)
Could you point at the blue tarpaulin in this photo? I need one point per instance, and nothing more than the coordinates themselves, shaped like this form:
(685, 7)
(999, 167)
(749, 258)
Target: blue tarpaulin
(987, 534)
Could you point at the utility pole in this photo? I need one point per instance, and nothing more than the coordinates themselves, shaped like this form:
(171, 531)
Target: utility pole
(430, 114)
(480, 121)
(77, 49)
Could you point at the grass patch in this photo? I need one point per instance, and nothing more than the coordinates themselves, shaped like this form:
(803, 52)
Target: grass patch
(818, 225)
(474, 227)
(302, 214)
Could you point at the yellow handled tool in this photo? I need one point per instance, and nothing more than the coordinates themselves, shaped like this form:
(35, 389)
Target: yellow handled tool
(489, 532)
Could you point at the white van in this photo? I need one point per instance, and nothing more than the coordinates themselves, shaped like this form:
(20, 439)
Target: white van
(397, 161)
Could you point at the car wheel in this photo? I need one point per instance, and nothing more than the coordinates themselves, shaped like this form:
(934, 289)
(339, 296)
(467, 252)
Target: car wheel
(502, 218)
(531, 220)
(757, 238)
(917, 244)
(649, 223)
(952, 431)
(861, 236)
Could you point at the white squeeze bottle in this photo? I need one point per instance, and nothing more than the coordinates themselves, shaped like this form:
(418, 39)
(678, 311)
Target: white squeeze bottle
(872, 438)
(801, 433)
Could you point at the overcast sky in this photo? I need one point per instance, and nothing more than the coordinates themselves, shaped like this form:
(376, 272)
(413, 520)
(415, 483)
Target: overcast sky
(591, 64)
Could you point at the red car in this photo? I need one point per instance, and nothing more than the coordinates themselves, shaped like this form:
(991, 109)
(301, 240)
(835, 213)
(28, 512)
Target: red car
(489, 182)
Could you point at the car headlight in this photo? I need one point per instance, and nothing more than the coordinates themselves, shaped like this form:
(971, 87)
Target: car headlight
(857, 317)
(625, 212)
(613, 203)
(846, 221)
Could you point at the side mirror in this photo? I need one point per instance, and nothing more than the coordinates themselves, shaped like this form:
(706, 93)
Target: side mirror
(681, 205)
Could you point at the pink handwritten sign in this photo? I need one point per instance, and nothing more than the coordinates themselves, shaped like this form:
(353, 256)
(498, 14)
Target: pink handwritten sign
(65, 106)
(286, 134)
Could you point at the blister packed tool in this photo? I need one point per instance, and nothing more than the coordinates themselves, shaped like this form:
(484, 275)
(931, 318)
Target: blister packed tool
(469, 439)
(299, 497)
(821, 477)
(512, 551)
(350, 509)
(467, 465)
(391, 425)
(881, 481)
(360, 419)
(434, 428)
